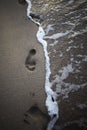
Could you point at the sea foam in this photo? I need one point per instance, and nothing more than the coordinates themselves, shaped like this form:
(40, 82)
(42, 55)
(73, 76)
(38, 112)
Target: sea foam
(51, 103)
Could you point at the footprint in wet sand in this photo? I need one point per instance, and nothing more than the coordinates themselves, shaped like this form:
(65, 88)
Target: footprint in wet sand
(36, 118)
(30, 62)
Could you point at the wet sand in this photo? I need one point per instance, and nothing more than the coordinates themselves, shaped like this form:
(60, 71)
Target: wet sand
(22, 70)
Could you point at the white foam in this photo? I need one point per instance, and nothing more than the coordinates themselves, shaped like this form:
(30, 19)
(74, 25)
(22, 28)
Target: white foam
(28, 8)
(61, 55)
(57, 35)
(51, 102)
(29, 11)
(70, 2)
(63, 88)
(66, 70)
(69, 23)
(54, 43)
(49, 28)
(71, 47)
(76, 33)
(51, 105)
(84, 59)
(82, 106)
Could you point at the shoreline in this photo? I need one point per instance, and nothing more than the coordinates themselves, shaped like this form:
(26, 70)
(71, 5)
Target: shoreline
(51, 102)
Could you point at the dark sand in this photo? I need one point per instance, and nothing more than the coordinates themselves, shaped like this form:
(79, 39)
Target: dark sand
(22, 70)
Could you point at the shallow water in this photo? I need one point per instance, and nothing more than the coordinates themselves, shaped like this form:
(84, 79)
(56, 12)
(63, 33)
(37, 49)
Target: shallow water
(65, 25)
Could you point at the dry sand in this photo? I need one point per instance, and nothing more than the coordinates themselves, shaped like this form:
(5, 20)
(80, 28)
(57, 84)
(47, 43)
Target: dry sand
(22, 70)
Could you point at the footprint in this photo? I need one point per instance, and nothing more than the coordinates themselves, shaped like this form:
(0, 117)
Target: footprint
(35, 117)
(30, 62)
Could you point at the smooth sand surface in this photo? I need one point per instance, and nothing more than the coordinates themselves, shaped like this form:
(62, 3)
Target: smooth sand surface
(20, 88)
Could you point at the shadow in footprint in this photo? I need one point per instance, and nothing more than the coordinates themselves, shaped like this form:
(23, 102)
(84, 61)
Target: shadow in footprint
(30, 62)
(34, 116)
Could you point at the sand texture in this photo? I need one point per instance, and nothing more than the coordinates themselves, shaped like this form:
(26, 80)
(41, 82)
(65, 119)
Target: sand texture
(22, 70)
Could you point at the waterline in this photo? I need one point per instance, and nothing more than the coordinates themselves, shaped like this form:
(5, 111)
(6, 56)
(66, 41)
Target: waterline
(51, 103)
